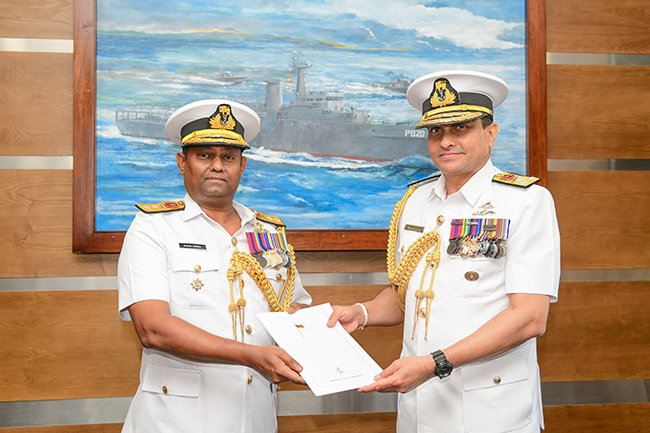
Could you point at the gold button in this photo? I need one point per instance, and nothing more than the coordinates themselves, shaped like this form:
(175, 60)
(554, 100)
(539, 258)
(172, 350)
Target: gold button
(497, 380)
(164, 390)
(402, 249)
(471, 276)
(250, 379)
(197, 268)
(248, 329)
(278, 277)
(234, 241)
(423, 313)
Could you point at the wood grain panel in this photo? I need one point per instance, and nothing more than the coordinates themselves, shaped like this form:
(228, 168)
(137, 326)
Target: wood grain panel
(341, 261)
(598, 111)
(36, 229)
(603, 218)
(597, 331)
(46, 19)
(598, 26)
(354, 422)
(72, 344)
(598, 418)
(36, 109)
(65, 345)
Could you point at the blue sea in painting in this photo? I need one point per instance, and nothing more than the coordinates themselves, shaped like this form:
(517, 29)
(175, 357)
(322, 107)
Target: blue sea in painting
(171, 66)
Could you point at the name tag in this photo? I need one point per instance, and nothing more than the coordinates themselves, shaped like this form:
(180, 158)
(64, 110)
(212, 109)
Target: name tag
(193, 246)
(413, 228)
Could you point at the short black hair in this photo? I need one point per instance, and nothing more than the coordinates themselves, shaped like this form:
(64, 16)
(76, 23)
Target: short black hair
(486, 121)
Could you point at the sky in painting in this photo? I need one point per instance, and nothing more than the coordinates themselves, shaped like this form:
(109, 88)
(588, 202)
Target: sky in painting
(375, 24)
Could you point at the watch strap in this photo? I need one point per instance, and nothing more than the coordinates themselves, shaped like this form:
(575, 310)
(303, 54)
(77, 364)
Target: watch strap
(443, 366)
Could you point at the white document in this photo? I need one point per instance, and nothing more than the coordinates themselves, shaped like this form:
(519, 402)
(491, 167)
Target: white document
(331, 359)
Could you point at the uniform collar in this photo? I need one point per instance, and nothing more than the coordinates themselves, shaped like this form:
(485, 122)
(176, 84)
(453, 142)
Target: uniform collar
(192, 210)
(474, 187)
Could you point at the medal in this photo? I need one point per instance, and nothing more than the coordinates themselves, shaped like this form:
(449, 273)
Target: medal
(474, 237)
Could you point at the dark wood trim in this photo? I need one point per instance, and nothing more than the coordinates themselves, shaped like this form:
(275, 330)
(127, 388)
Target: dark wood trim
(84, 237)
(87, 240)
(536, 96)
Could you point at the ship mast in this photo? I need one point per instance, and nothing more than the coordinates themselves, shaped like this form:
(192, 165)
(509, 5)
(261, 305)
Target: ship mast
(299, 67)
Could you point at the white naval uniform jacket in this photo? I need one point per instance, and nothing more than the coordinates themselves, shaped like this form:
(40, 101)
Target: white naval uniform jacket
(159, 261)
(502, 394)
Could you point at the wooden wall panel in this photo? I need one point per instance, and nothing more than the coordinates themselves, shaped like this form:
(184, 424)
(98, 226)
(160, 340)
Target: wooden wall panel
(72, 344)
(603, 218)
(598, 418)
(36, 109)
(341, 261)
(36, 229)
(65, 345)
(598, 111)
(354, 422)
(598, 26)
(597, 331)
(46, 19)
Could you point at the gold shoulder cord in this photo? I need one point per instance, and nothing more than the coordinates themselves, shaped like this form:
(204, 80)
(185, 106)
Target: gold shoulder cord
(241, 262)
(400, 275)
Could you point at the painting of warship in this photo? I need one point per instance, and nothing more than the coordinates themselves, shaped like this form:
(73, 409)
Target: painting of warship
(315, 122)
(338, 142)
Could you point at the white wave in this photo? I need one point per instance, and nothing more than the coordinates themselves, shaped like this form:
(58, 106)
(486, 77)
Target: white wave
(306, 160)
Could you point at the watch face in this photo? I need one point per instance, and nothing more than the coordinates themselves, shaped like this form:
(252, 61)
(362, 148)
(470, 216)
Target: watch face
(444, 369)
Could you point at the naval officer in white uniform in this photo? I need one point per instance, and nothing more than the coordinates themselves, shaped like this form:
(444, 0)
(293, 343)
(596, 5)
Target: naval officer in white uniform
(474, 262)
(193, 274)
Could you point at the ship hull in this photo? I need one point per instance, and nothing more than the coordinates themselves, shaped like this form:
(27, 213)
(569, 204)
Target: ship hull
(367, 141)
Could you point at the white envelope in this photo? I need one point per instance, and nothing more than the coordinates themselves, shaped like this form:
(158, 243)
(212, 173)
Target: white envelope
(332, 360)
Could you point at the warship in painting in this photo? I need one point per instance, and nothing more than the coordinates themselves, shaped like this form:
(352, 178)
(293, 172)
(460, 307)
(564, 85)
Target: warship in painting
(317, 123)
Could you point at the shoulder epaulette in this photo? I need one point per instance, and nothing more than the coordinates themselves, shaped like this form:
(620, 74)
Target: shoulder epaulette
(269, 218)
(424, 181)
(515, 179)
(165, 206)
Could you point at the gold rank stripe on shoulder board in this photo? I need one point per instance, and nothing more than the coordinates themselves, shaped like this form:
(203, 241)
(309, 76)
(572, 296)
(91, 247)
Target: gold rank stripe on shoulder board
(165, 206)
(269, 218)
(424, 181)
(515, 179)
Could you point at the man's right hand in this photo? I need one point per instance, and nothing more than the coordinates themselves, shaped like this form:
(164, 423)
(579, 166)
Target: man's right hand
(350, 317)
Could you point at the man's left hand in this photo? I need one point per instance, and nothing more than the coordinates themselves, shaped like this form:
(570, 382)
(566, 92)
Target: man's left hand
(403, 375)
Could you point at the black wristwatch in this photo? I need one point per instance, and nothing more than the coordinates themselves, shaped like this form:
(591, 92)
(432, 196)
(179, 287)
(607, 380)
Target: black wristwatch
(443, 367)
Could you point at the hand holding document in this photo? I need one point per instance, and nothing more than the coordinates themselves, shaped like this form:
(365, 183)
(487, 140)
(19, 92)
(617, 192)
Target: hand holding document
(332, 360)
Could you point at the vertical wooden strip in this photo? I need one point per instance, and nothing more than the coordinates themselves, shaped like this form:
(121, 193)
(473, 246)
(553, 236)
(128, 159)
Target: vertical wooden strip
(536, 75)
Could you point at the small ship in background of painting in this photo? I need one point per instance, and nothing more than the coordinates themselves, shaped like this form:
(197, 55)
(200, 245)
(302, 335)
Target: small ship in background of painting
(228, 78)
(399, 85)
